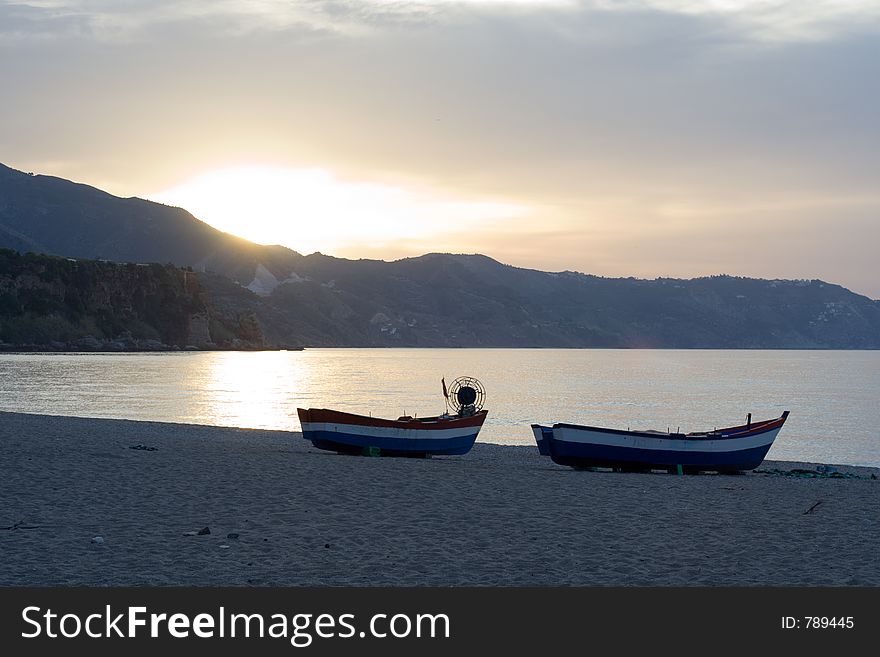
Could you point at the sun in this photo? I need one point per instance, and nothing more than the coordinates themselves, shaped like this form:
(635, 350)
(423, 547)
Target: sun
(311, 209)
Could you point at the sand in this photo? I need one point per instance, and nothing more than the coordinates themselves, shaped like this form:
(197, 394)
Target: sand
(498, 516)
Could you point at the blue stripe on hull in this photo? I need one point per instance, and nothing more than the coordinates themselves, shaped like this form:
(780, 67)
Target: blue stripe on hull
(335, 441)
(607, 456)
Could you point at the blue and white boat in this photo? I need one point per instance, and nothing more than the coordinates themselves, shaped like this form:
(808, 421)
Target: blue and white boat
(732, 449)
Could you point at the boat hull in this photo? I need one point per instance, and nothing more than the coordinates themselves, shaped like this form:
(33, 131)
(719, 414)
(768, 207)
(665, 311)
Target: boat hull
(356, 434)
(733, 450)
(542, 438)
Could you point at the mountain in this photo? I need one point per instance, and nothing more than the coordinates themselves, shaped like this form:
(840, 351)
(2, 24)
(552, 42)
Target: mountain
(44, 214)
(435, 299)
(472, 300)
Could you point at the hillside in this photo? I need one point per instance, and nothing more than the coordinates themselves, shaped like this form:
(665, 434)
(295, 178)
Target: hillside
(69, 304)
(435, 300)
(44, 214)
(456, 300)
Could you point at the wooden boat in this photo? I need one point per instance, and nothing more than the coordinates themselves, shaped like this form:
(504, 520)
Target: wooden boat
(731, 449)
(446, 434)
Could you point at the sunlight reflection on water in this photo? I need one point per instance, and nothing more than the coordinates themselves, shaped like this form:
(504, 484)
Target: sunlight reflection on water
(832, 396)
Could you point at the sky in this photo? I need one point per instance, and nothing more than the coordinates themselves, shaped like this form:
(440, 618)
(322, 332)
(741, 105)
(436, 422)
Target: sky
(641, 138)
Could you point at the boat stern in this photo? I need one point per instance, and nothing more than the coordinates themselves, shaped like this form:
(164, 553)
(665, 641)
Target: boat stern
(542, 438)
(305, 422)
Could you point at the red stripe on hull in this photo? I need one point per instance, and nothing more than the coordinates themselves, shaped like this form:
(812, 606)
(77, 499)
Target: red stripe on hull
(762, 425)
(755, 427)
(325, 415)
(728, 433)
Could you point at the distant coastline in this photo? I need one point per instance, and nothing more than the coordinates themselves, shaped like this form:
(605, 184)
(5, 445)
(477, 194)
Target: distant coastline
(73, 349)
(104, 348)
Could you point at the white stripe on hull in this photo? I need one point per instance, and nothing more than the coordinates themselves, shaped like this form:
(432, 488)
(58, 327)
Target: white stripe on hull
(662, 443)
(391, 432)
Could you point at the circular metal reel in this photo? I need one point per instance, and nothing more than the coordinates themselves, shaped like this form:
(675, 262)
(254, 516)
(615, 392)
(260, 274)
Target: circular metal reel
(467, 395)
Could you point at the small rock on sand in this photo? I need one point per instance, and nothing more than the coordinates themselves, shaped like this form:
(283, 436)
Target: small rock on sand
(204, 531)
(98, 540)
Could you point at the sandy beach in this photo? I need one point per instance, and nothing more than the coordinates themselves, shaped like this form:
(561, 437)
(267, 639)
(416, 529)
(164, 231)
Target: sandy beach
(283, 513)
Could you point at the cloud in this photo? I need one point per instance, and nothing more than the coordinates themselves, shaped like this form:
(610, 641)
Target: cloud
(770, 20)
(125, 20)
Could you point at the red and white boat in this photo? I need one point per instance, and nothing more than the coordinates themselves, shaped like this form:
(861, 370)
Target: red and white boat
(450, 433)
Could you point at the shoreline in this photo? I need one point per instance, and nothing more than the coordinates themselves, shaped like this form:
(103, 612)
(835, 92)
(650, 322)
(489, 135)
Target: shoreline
(528, 445)
(283, 513)
(42, 349)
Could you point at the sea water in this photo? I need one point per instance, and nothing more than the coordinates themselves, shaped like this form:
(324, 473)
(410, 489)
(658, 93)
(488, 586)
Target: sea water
(833, 396)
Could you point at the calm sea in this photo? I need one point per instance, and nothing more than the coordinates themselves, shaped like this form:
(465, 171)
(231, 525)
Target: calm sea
(833, 396)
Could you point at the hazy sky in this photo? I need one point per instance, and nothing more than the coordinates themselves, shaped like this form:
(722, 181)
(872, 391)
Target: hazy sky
(631, 137)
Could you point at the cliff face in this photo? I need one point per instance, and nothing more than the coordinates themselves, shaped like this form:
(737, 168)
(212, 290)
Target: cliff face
(88, 304)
